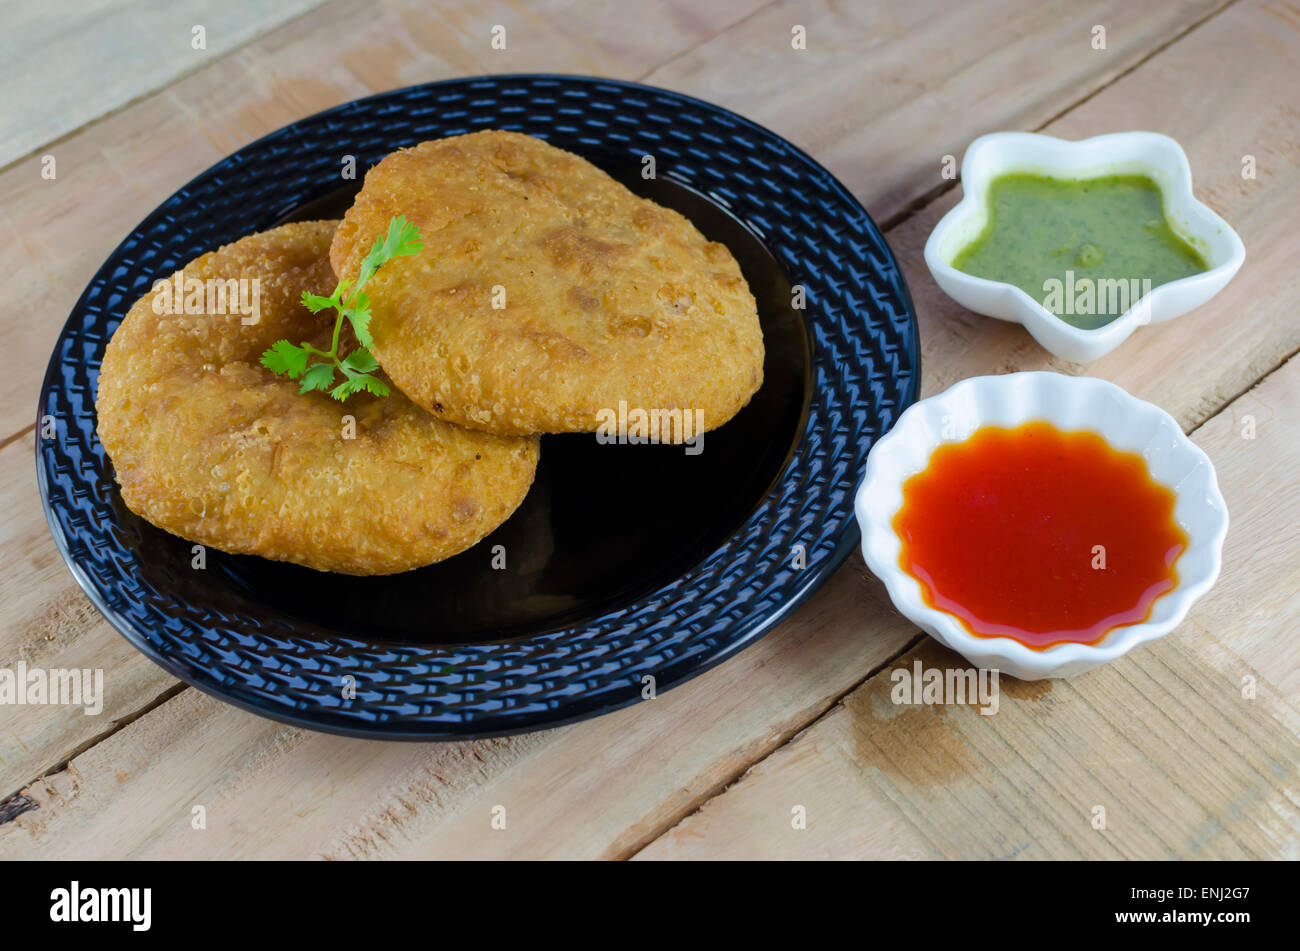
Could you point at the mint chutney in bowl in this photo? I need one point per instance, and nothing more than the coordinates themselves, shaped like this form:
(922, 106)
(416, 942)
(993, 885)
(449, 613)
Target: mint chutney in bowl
(1081, 242)
(1086, 249)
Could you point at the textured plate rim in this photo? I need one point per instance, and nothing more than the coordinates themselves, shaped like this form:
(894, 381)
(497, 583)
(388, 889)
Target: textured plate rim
(675, 671)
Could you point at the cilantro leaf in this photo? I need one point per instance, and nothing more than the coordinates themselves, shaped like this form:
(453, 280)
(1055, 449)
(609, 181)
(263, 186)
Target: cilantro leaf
(401, 241)
(358, 316)
(284, 357)
(315, 303)
(373, 384)
(363, 361)
(358, 382)
(319, 377)
(349, 303)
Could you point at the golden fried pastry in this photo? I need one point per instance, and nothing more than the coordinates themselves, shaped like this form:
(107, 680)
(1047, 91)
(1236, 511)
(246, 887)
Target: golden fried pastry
(211, 446)
(547, 293)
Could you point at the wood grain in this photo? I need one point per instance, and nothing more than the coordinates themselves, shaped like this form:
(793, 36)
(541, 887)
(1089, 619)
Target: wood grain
(67, 64)
(56, 233)
(49, 623)
(600, 788)
(1194, 365)
(1163, 739)
(608, 787)
(881, 116)
(117, 173)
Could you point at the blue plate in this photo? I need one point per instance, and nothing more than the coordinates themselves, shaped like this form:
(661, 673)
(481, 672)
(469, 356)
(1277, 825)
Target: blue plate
(628, 568)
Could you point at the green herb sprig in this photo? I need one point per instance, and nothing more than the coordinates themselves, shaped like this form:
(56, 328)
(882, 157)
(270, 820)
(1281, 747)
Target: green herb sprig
(316, 368)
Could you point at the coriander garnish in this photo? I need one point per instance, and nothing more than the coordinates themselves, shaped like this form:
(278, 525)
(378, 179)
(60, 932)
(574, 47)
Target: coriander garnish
(358, 367)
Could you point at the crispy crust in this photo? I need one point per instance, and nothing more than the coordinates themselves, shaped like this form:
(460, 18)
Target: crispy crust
(608, 297)
(211, 446)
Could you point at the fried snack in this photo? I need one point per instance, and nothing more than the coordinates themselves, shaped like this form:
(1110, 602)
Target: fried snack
(547, 293)
(213, 447)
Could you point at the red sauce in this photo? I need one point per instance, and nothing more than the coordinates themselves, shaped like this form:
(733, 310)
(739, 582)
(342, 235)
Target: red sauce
(1003, 530)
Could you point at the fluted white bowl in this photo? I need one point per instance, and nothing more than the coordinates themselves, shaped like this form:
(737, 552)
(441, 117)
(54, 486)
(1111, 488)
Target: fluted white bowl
(1069, 403)
(1123, 153)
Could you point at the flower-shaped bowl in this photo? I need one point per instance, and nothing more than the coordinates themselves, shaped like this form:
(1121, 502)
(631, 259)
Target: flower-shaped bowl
(1156, 156)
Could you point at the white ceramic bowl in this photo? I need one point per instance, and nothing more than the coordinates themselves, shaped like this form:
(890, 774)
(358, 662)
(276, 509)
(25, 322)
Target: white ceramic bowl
(1069, 403)
(1125, 153)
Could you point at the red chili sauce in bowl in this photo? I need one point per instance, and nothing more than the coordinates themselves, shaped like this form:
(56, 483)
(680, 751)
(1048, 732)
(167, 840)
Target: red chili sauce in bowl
(1039, 535)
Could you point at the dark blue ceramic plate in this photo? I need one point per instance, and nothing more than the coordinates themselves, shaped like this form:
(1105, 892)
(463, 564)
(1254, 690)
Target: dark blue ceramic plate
(625, 562)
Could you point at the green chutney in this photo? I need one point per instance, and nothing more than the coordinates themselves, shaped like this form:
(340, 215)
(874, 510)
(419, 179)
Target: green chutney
(1083, 248)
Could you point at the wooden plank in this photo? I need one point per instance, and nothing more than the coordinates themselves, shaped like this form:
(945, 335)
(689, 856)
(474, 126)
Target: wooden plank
(65, 65)
(111, 175)
(633, 771)
(56, 234)
(600, 788)
(882, 117)
(119, 172)
(1197, 363)
(49, 624)
(1184, 765)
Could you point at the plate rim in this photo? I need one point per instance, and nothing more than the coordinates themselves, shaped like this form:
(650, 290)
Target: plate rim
(677, 671)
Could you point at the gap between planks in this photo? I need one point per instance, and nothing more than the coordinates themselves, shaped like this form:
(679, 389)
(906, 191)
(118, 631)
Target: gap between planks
(793, 735)
(783, 740)
(757, 11)
(237, 50)
(912, 209)
(177, 688)
(921, 202)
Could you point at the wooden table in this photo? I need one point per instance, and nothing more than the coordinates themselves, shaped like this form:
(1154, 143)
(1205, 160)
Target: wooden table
(1190, 745)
